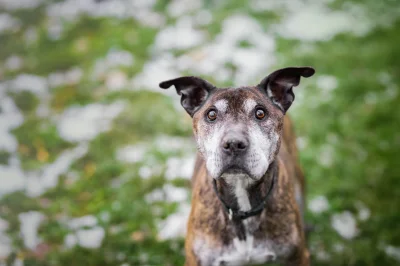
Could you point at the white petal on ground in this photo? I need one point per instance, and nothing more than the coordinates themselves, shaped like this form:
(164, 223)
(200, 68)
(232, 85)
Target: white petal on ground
(88, 220)
(36, 85)
(155, 195)
(70, 77)
(174, 226)
(12, 179)
(203, 17)
(74, 75)
(13, 62)
(302, 142)
(326, 155)
(28, 82)
(5, 241)
(3, 225)
(252, 62)
(20, 4)
(363, 212)
(142, 12)
(7, 22)
(105, 216)
(132, 153)
(10, 118)
(168, 144)
(393, 252)
(56, 79)
(168, 193)
(338, 247)
(240, 27)
(345, 224)
(322, 255)
(70, 10)
(180, 167)
(113, 59)
(55, 30)
(31, 35)
(30, 222)
(116, 80)
(262, 5)
(183, 31)
(161, 68)
(327, 82)
(90, 238)
(39, 182)
(177, 8)
(43, 109)
(70, 240)
(18, 262)
(150, 18)
(318, 204)
(147, 171)
(85, 123)
(319, 23)
(175, 194)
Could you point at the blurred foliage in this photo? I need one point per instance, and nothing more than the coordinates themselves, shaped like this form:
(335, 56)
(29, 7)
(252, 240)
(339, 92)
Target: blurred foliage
(350, 136)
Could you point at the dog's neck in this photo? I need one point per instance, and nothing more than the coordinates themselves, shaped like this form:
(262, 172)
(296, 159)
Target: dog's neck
(243, 193)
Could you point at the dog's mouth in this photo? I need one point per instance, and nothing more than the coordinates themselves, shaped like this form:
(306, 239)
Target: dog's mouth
(236, 171)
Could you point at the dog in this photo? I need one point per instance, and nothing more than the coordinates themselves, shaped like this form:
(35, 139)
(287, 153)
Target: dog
(248, 188)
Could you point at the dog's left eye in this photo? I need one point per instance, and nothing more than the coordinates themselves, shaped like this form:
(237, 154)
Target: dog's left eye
(212, 115)
(260, 114)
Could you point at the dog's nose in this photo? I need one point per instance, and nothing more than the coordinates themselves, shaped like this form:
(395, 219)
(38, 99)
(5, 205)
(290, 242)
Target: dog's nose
(235, 145)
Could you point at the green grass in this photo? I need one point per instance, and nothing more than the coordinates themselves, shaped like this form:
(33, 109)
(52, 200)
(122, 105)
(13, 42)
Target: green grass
(357, 120)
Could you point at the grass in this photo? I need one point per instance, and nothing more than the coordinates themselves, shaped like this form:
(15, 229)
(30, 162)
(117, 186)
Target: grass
(352, 125)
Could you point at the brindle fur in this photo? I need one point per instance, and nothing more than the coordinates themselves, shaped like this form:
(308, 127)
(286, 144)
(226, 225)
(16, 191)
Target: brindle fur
(244, 179)
(281, 216)
(280, 220)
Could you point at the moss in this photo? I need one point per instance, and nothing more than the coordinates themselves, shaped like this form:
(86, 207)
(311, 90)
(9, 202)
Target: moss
(39, 142)
(149, 114)
(4, 156)
(26, 101)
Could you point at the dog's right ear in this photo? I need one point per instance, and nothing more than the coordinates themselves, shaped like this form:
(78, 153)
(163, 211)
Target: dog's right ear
(194, 91)
(279, 85)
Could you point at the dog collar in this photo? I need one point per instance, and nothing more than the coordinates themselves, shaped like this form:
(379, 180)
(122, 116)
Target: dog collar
(243, 214)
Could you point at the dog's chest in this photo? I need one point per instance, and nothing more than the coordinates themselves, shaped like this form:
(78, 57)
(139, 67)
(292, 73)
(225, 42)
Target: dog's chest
(239, 252)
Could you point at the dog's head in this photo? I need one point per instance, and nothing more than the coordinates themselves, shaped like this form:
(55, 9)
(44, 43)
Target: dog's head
(238, 130)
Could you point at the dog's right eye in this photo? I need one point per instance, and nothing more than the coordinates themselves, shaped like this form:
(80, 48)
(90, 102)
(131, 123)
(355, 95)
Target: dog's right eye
(212, 115)
(260, 114)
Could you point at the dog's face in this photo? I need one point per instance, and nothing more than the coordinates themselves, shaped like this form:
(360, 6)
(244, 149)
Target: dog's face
(238, 130)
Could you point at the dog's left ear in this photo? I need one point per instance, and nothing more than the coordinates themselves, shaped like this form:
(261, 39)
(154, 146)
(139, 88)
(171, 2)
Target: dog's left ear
(194, 91)
(279, 85)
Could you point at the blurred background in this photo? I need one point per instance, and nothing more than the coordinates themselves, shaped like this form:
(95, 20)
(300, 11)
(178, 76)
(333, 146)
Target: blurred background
(95, 159)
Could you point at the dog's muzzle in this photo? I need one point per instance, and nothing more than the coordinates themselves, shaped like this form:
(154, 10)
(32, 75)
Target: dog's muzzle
(234, 143)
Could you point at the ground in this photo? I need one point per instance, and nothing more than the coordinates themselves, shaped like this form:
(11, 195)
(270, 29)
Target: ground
(95, 159)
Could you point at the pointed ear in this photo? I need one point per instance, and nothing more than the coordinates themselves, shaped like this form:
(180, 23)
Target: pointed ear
(279, 85)
(194, 91)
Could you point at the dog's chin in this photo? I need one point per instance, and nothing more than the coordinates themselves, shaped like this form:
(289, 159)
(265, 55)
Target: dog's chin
(236, 171)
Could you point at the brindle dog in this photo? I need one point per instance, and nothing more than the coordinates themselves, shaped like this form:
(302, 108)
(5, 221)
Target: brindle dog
(248, 189)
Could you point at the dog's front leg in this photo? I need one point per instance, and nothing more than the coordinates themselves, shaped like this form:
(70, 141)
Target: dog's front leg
(191, 261)
(300, 258)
